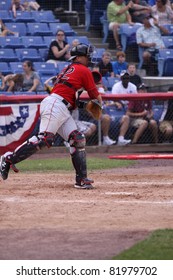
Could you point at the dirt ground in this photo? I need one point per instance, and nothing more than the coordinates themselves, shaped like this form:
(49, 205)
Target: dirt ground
(43, 217)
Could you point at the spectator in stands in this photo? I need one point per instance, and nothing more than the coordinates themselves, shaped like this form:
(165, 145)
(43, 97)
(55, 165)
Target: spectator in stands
(149, 37)
(17, 5)
(162, 12)
(2, 82)
(31, 6)
(141, 116)
(122, 87)
(166, 119)
(4, 31)
(31, 82)
(118, 13)
(104, 66)
(14, 82)
(139, 10)
(58, 49)
(134, 78)
(74, 43)
(120, 64)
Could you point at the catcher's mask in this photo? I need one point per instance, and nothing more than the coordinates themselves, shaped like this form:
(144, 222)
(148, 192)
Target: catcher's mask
(82, 50)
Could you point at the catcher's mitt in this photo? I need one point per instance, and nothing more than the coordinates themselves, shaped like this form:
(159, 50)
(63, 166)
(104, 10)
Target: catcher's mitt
(94, 108)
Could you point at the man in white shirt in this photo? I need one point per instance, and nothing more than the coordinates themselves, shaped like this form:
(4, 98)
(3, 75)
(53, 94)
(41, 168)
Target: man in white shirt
(124, 86)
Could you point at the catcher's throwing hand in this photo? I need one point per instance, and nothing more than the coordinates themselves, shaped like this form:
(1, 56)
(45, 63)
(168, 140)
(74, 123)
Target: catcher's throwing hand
(94, 108)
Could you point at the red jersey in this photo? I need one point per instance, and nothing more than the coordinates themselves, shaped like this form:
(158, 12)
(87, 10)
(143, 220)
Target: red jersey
(78, 76)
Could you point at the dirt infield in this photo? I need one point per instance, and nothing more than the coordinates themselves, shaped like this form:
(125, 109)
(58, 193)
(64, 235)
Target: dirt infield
(43, 217)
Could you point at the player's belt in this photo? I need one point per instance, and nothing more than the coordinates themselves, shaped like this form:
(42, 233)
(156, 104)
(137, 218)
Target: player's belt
(66, 103)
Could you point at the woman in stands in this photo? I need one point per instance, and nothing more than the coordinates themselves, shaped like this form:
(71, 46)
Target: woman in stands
(4, 31)
(162, 12)
(58, 49)
(31, 82)
(14, 82)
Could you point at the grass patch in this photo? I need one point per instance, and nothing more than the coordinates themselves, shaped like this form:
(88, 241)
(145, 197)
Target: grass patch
(65, 164)
(158, 246)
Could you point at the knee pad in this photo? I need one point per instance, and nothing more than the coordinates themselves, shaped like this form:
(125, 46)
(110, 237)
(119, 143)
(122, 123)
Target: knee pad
(42, 140)
(77, 141)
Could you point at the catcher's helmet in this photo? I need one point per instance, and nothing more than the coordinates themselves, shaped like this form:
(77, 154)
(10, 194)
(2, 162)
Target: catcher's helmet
(81, 50)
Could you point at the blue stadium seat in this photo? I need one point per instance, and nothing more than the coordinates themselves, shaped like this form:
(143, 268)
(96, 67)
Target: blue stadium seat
(24, 16)
(62, 65)
(43, 53)
(28, 54)
(8, 55)
(163, 57)
(5, 16)
(44, 16)
(11, 42)
(4, 68)
(128, 34)
(111, 82)
(82, 39)
(38, 29)
(168, 41)
(33, 42)
(169, 27)
(48, 40)
(63, 26)
(45, 69)
(19, 27)
(16, 67)
(97, 54)
(5, 5)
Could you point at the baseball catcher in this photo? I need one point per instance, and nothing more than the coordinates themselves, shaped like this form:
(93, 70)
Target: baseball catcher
(55, 117)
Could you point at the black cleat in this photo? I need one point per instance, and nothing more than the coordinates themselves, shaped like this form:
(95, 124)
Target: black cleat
(84, 184)
(4, 167)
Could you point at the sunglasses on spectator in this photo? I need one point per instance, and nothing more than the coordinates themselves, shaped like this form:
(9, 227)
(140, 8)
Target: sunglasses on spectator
(60, 34)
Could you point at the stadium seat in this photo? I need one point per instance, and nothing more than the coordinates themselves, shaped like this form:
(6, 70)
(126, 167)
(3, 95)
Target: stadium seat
(44, 16)
(24, 16)
(48, 39)
(28, 54)
(19, 27)
(43, 53)
(168, 41)
(62, 65)
(8, 55)
(63, 26)
(128, 34)
(38, 29)
(16, 67)
(111, 82)
(5, 16)
(82, 39)
(163, 57)
(11, 42)
(97, 54)
(169, 27)
(4, 68)
(5, 5)
(33, 42)
(45, 69)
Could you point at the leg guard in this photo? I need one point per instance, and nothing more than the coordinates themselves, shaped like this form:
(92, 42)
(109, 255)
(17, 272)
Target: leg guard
(78, 155)
(24, 151)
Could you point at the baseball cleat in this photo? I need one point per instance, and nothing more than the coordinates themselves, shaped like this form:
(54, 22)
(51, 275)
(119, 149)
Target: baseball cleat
(84, 184)
(4, 167)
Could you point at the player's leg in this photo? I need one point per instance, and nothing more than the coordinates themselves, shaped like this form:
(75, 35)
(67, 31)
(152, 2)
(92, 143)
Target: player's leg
(52, 116)
(77, 142)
